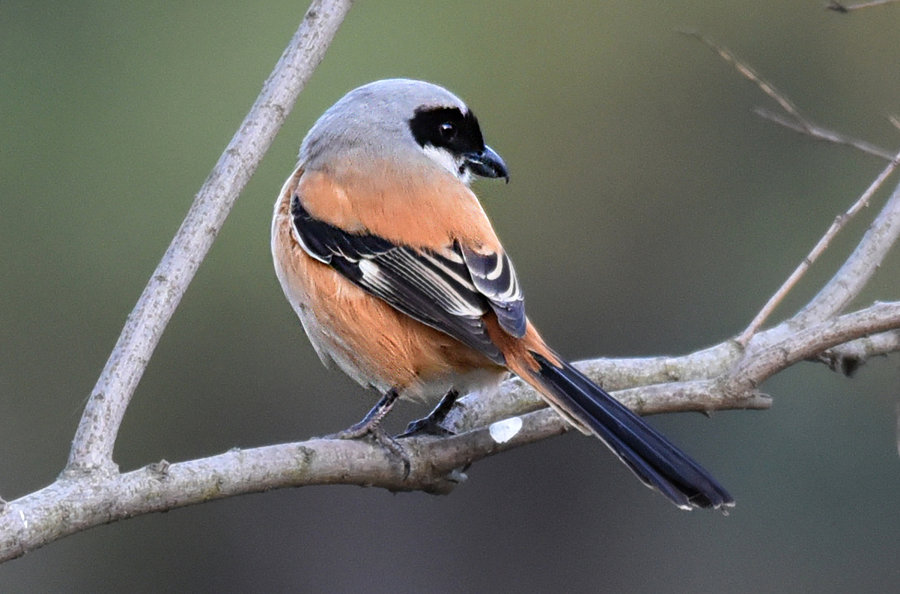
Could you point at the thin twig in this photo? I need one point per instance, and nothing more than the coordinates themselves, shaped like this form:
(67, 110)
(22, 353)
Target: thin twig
(839, 223)
(795, 120)
(843, 8)
(855, 272)
(750, 74)
(798, 122)
(92, 447)
(820, 133)
(894, 120)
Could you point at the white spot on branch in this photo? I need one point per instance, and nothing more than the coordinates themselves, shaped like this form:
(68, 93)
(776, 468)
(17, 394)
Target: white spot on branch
(503, 431)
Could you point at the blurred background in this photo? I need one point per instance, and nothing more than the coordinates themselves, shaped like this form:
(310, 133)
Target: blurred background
(649, 212)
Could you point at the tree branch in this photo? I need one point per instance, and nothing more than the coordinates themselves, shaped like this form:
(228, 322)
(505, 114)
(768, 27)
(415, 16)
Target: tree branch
(858, 269)
(763, 361)
(866, 261)
(844, 8)
(79, 501)
(847, 358)
(867, 257)
(92, 448)
(76, 502)
(823, 134)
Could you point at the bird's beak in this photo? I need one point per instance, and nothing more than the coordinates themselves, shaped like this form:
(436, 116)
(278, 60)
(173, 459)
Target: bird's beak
(487, 163)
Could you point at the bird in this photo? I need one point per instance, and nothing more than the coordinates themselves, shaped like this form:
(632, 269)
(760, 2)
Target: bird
(399, 279)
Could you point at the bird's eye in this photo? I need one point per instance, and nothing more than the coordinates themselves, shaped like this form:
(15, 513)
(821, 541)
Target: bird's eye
(447, 130)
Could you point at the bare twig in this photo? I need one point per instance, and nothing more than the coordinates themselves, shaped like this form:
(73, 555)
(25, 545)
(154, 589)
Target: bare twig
(750, 74)
(794, 120)
(92, 448)
(800, 123)
(839, 223)
(843, 8)
(894, 120)
(820, 133)
(859, 267)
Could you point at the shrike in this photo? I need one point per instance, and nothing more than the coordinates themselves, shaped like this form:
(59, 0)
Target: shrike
(399, 279)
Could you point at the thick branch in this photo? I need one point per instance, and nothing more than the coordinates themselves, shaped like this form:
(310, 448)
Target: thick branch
(764, 361)
(648, 385)
(689, 383)
(95, 438)
(79, 501)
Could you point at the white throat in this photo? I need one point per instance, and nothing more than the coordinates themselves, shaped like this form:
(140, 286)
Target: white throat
(447, 161)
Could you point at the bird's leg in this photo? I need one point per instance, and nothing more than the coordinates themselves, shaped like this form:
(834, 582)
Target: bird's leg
(370, 425)
(431, 424)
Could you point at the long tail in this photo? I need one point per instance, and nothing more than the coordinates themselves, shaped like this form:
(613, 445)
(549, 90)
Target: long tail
(654, 459)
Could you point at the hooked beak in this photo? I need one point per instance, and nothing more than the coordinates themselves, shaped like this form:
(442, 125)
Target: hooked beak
(486, 163)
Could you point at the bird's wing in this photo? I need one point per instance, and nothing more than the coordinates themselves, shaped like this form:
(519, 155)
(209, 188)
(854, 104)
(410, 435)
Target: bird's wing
(450, 290)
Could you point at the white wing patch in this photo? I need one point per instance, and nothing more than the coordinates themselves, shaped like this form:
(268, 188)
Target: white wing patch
(435, 284)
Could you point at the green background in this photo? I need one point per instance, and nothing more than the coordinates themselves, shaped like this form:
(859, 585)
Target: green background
(649, 212)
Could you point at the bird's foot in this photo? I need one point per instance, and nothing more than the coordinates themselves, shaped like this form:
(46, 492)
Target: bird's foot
(370, 428)
(431, 425)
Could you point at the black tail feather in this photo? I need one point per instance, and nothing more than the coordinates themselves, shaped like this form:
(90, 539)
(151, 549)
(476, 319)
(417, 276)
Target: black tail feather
(652, 457)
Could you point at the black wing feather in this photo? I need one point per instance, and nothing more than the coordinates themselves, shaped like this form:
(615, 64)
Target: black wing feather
(495, 278)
